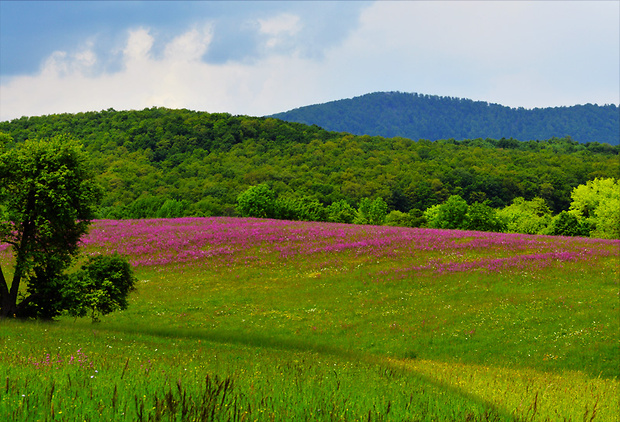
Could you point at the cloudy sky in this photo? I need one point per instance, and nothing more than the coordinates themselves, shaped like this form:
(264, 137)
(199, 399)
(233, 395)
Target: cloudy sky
(259, 58)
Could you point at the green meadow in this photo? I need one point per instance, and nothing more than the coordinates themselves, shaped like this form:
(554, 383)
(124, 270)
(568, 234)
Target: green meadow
(264, 320)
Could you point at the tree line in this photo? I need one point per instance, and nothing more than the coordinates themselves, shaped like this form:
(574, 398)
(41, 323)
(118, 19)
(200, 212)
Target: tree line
(169, 163)
(594, 211)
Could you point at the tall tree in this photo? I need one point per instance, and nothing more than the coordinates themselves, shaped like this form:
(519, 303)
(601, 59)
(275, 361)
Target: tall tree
(371, 212)
(530, 217)
(598, 202)
(452, 214)
(257, 201)
(48, 198)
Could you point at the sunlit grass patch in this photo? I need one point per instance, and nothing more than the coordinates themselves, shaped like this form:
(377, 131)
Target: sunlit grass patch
(527, 393)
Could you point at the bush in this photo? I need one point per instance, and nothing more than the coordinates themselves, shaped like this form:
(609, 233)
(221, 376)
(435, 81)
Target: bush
(413, 218)
(598, 202)
(529, 217)
(257, 201)
(483, 218)
(172, 208)
(144, 207)
(452, 214)
(371, 212)
(100, 287)
(207, 207)
(305, 208)
(340, 212)
(566, 224)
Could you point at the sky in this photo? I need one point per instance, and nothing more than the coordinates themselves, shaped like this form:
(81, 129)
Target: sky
(258, 58)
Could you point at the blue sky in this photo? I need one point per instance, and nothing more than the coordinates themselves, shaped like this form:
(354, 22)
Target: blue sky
(259, 58)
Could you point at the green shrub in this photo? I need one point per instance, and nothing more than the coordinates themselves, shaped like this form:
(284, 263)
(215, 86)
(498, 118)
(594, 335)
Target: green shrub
(566, 224)
(529, 217)
(257, 201)
(482, 217)
(100, 287)
(452, 214)
(340, 212)
(371, 212)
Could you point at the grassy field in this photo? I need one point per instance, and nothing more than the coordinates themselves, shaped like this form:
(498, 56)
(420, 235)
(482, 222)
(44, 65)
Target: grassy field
(247, 319)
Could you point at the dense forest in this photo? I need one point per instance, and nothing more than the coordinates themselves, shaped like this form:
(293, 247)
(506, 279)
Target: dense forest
(416, 116)
(162, 162)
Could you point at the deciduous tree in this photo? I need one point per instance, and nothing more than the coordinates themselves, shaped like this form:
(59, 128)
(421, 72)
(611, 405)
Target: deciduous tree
(452, 214)
(481, 216)
(341, 212)
(598, 202)
(48, 197)
(530, 217)
(567, 224)
(257, 201)
(371, 212)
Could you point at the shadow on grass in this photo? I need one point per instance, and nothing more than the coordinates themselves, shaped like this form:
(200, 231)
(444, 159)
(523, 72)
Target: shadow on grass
(492, 412)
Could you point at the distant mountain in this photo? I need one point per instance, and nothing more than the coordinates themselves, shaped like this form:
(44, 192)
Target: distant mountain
(417, 116)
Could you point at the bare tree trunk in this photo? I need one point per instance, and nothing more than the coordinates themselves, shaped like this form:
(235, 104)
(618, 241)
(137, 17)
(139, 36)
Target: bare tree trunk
(6, 307)
(9, 297)
(11, 302)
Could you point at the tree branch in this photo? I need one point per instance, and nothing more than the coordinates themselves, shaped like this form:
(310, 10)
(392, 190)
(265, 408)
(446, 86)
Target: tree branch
(26, 302)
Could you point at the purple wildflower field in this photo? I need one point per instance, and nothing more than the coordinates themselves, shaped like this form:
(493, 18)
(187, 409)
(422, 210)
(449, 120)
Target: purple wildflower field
(223, 242)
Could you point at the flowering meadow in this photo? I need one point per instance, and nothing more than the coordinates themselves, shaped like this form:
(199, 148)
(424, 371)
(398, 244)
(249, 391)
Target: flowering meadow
(225, 241)
(256, 319)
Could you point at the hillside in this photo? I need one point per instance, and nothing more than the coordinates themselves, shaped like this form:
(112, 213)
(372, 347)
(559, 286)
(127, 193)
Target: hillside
(417, 116)
(202, 162)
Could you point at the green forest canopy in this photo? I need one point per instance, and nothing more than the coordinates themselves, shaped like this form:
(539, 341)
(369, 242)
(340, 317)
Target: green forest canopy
(162, 162)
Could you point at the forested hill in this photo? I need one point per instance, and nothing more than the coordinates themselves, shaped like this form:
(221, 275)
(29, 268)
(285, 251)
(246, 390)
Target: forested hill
(416, 116)
(198, 163)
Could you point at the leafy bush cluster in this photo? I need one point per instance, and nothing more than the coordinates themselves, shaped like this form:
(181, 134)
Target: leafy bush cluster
(260, 201)
(101, 286)
(595, 211)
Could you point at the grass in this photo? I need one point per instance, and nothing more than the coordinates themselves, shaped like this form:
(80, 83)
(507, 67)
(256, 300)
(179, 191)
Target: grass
(241, 319)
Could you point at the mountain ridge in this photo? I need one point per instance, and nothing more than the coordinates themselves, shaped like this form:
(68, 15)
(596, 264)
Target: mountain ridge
(421, 116)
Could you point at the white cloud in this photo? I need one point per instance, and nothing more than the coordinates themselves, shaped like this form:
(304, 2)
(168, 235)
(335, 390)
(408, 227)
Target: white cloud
(566, 52)
(190, 46)
(285, 23)
(56, 64)
(63, 64)
(514, 53)
(176, 79)
(280, 30)
(138, 46)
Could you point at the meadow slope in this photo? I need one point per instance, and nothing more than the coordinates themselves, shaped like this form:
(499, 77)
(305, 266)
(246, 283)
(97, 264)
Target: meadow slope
(254, 319)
